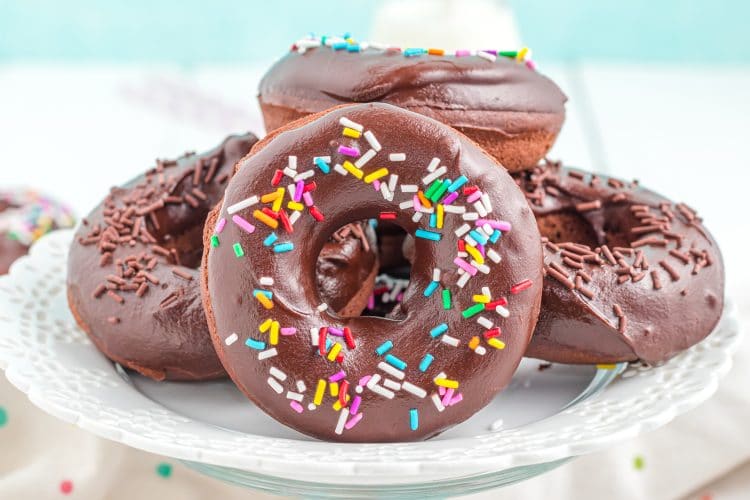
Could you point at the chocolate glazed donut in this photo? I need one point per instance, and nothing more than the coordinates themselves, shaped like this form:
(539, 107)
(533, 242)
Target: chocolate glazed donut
(630, 275)
(132, 277)
(466, 315)
(500, 102)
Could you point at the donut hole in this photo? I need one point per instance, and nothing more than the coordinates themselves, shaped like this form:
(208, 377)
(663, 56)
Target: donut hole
(564, 226)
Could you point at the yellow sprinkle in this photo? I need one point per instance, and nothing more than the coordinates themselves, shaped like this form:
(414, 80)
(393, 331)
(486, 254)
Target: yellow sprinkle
(474, 342)
(496, 343)
(447, 383)
(350, 132)
(337, 405)
(611, 366)
(475, 253)
(265, 325)
(440, 216)
(482, 299)
(319, 391)
(278, 201)
(265, 219)
(274, 337)
(267, 303)
(423, 200)
(295, 205)
(273, 196)
(333, 388)
(381, 172)
(356, 172)
(335, 349)
(522, 54)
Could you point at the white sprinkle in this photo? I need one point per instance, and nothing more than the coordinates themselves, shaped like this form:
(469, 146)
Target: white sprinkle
(427, 179)
(231, 339)
(463, 255)
(454, 209)
(268, 353)
(397, 156)
(293, 162)
(479, 207)
(487, 55)
(462, 230)
(483, 268)
(493, 255)
(304, 175)
(486, 291)
(417, 391)
(392, 180)
(346, 122)
(343, 415)
(386, 192)
(292, 188)
(322, 307)
(247, 202)
(301, 387)
(295, 396)
(314, 336)
(436, 274)
(390, 370)
(480, 350)
(433, 164)
(378, 45)
(338, 168)
(502, 311)
(406, 204)
(276, 373)
(471, 241)
(470, 216)
(295, 215)
(391, 384)
(311, 406)
(409, 188)
(378, 389)
(326, 159)
(438, 404)
(275, 385)
(362, 160)
(266, 281)
(358, 389)
(374, 144)
(463, 280)
(488, 230)
(486, 202)
(485, 322)
(416, 216)
(289, 172)
(439, 376)
(449, 340)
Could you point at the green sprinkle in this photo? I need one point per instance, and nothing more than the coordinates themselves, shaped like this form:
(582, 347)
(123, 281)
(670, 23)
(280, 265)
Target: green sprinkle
(3, 417)
(214, 241)
(446, 299)
(471, 311)
(164, 469)
(638, 462)
(433, 187)
(508, 53)
(439, 192)
(238, 251)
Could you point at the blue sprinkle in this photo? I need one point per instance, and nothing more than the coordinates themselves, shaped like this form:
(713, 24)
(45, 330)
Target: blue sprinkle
(339, 45)
(495, 236)
(479, 237)
(455, 185)
(283, 247)
(270, 239)
(413, 52)
(268, 294)
(394, 361)
(373, 223)
(329, 343)
(428, 235)
(255, 344)
(431, 288)
(384, 347)
(346, 35)
(439, 330)
(425, 363)
(433, 220)
(353, 47)
(413, 419)
(322, 165)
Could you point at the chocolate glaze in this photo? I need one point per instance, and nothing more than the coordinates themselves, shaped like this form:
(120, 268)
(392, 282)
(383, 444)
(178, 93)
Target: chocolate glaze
(643, 280)
(153, 320)
(228, 281)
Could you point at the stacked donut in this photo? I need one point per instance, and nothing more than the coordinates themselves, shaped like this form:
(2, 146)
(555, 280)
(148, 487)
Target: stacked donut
(409, 184)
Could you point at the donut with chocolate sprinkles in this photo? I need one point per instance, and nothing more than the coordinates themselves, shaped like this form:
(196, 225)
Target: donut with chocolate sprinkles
(629, 274)
(132, 269)
(467, 312)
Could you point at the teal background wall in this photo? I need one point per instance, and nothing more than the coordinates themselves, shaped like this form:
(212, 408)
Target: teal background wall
(195, 31)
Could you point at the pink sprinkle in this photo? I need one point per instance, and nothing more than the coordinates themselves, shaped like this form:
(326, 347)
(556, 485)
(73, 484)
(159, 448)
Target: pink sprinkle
(463, 52)
(298, 190)
(450, 198)
(371, 301)
(457, 399)
(491, 51)
(417, 204)
(441, 390)
(220, 225)
(338, 332)
(296, 406)
(400, 297)
(363, 381)
(242, 223)
(494, 224)
(353, 421)
(345, 150)
(474, 196)
(465, 266)
(531, 64)
(447, 396)
(308, 199)
(480, 247)
(354, 408)
(376, 185)
(337, 376)
(288, 330)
